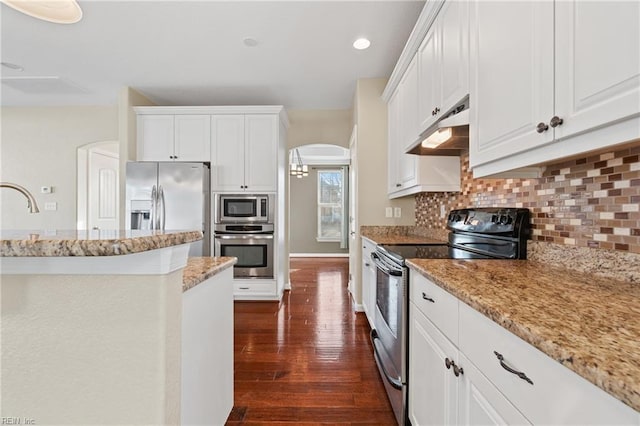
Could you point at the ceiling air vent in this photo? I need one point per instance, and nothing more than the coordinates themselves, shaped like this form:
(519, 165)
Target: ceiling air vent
(43, 85)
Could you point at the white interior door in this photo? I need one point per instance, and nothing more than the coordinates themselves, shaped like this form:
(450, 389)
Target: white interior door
(103, 190)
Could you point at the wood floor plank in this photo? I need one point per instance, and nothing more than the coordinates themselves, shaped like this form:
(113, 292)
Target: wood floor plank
(307, 360)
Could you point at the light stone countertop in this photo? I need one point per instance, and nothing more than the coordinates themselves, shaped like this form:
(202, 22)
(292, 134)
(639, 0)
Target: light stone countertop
(398, 235)
(199, 269)
(589, 324)
(62, 243)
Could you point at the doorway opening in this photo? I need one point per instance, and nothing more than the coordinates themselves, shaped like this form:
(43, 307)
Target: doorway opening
(318, 201)
(98, 186)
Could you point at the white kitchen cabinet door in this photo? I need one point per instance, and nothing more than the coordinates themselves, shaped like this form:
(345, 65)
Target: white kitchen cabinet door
(481, 403)
(429, 77)
(393, 152)
(409, 106)
(597, 64)
(433, 389)
(227, 156)
(368, 280)
(512, 68)
(192, 138)
(155, 137)
(453, 26)
(261, 152)
(443, 64)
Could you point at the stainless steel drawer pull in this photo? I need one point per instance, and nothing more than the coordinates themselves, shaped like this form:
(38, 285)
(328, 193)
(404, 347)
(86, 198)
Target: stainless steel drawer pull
(511, 370)
(425, 297)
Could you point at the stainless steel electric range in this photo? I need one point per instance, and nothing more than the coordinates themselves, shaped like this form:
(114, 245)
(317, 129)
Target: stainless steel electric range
(474, 233)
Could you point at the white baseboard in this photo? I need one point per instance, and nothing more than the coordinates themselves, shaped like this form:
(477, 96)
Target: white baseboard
(318, 254)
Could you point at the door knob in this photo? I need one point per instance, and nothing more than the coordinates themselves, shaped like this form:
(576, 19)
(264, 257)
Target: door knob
(556, 121)
(542, 127)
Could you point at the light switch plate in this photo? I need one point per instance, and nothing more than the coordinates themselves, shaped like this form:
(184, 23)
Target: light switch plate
(388, 212)
(51, 206)
(45, 190)
(397, 212)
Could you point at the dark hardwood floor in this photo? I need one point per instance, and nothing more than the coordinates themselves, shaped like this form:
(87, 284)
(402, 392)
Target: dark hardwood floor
(307, 360)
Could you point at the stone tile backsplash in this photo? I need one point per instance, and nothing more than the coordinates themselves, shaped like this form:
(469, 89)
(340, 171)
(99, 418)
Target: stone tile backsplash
(590, 201)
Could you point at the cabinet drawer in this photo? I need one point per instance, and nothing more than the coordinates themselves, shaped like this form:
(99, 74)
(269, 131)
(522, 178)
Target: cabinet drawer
(557, 395)
(436, 304)
(254, 287)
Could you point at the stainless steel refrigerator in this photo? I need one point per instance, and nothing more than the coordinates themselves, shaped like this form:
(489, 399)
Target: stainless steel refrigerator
(170, 196)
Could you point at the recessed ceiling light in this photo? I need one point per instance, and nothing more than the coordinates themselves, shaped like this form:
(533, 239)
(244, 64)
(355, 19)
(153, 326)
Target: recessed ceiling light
(56, 11)
(250, 42)
(361, 43)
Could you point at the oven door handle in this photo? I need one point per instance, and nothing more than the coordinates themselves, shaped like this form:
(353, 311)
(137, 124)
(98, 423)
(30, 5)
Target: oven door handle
(384, 267)
(395, 382)
(244, 237)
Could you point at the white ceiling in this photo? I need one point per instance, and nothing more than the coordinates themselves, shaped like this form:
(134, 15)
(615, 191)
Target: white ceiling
(192, 52)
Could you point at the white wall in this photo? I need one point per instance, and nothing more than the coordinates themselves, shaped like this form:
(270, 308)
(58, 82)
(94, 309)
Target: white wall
(39, 148)
(127, 130)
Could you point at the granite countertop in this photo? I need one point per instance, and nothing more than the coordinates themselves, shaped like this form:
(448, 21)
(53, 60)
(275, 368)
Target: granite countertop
(397, 235)
(199, 269)
(89, 243)
(589, 324)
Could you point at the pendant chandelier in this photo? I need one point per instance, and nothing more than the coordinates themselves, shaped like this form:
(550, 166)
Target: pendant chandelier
(297, 169)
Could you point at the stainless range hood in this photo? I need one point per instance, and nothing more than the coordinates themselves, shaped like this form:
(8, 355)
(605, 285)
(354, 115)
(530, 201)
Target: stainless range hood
(449, 136)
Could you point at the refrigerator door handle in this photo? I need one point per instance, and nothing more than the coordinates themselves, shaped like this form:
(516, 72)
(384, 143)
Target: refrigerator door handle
(154, 208)
(161, 220)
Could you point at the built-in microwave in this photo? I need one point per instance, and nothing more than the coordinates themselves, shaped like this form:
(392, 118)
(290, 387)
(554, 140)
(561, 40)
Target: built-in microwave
(244, 208)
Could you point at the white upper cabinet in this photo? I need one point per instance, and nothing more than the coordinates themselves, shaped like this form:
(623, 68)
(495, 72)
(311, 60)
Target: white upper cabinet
(551, 80)
(244, 156)
(261, 152)
(512, 77)
(192, 138)
(443, 64)
(227, 153)
(155, 138)
(408, 173)
(408, 94)
(597, 75)
(168, 137)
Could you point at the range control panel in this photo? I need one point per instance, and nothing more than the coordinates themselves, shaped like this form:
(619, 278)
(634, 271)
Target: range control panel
(490, 220)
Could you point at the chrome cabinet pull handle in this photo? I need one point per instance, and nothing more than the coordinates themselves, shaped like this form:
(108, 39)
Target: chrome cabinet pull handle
(425, 297)
(511, 370)
(542, 127)
(556, 121)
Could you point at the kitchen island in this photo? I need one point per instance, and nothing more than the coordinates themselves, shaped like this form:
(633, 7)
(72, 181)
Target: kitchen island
(92, 324)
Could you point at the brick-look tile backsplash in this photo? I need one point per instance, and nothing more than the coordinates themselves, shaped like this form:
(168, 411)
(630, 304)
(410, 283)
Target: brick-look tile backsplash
(591, 201)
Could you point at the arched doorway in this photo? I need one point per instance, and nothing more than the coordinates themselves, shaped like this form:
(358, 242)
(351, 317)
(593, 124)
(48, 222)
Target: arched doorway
(318, 201)
(98, 187)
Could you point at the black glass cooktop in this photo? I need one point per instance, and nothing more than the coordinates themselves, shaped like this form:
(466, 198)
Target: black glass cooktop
(428, 251)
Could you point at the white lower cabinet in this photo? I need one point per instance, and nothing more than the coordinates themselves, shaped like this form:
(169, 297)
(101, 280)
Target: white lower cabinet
(368, 280)
(480, 402)
(433, 389)
(207, 351)
(254, 289)
(487, 358)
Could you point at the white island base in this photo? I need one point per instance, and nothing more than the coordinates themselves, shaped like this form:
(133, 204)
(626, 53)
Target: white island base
(99, 339)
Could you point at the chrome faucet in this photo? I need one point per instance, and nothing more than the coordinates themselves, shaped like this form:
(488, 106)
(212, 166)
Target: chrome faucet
(31, 201)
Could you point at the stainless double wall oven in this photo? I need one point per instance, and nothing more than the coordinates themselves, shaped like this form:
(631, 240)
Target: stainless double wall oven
(243, 228)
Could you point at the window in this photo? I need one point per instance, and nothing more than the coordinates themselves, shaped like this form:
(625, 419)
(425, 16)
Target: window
(330, 202)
